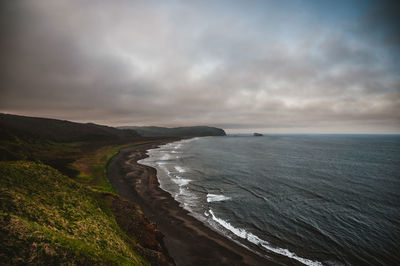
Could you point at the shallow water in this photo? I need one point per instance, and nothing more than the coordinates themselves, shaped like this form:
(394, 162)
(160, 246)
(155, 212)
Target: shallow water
(319, 199)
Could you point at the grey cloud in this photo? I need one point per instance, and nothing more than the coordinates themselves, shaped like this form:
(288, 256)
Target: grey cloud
(382, 20)
(142, 62)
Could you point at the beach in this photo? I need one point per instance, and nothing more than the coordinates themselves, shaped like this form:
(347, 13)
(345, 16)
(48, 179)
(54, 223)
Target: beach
(188, 241)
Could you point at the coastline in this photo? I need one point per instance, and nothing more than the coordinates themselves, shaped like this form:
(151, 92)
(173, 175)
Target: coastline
(188, 240)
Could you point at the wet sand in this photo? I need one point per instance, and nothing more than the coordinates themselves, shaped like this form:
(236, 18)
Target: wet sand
(188, 241)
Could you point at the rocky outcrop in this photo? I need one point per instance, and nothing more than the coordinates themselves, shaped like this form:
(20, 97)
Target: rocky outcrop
(148, 240)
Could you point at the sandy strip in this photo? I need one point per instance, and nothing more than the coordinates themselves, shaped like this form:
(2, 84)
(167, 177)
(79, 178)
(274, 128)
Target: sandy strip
(189, 241)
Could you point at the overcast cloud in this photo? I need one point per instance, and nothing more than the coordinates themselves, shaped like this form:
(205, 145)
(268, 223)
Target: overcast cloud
(270, 66)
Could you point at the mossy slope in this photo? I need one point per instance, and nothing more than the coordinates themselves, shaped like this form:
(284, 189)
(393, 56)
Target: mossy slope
(47, 218)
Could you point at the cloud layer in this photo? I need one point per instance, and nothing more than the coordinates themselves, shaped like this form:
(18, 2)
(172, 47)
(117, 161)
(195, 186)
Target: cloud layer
(241, 65)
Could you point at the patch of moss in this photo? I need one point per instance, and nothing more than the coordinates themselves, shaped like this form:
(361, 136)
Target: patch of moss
(47, 218)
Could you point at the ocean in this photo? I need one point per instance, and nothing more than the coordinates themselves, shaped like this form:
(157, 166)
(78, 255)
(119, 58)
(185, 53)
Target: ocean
(318, 199)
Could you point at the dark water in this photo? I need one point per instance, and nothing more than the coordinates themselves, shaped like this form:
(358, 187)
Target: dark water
(319, 199)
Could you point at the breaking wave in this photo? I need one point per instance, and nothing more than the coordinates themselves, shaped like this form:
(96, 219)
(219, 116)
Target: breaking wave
(242, 233)
(214, 197)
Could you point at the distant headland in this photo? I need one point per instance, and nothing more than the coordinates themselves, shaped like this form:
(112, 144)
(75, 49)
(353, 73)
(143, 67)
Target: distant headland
(194, 131)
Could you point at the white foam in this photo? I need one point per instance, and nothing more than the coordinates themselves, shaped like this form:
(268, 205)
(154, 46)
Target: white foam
(189, 140)
(165, 157)
(178, 146)
(164, 170)
(242, 233)
(214, 197)
(181, 181)
(180, 169)
(186, 199)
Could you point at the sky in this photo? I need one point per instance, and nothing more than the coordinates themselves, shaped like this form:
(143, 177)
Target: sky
(296, 66)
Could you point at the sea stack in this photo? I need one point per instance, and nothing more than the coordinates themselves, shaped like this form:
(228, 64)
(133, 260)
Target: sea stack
(257, 134)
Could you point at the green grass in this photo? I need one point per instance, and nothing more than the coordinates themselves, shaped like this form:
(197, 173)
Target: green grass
(93, 166)
(47, 218)
(16, 148)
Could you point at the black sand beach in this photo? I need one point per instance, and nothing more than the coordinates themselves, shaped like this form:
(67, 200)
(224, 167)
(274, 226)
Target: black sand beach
(188, 241)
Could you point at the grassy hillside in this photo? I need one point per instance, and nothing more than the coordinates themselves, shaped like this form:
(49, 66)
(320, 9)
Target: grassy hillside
(49, 218)
(55, 142)
(195, 131)
(58, 130)
(59, 219)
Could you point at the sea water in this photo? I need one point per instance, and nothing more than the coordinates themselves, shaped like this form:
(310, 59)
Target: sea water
(318, 199)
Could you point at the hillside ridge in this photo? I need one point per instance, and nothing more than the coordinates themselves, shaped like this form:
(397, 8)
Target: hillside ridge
(189, 131)
(58, 130)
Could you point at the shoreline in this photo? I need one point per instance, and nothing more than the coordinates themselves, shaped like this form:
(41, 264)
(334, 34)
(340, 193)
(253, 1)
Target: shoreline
(188, 240)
